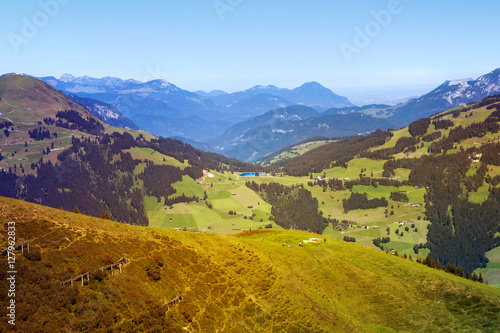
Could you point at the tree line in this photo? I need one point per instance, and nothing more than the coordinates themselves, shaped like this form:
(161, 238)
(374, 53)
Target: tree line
(330, 155)
(360, 201)
(292, 207)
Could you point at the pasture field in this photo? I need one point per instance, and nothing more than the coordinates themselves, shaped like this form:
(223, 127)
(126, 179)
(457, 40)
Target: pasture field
(492, 271)
(299, 150)
(481, 195)
(189, 187)
(225, 192)
(354, 169)
(156, 157)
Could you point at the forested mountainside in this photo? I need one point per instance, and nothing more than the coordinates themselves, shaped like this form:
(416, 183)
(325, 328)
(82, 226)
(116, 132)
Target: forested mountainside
(451, 155)
(98, 175)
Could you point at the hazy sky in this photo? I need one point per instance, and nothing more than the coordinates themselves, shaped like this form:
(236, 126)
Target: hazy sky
(349, 46)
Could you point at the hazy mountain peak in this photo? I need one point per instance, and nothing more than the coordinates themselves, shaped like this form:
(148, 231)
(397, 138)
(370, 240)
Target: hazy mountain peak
(67, 77)
(261, 87)
(312, 84)
(458, 81)
(462, 82)
(213, 93)
(161, 84)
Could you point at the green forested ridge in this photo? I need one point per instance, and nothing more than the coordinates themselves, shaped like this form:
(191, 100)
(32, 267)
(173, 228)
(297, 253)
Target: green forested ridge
(112, 178)
(452, 157)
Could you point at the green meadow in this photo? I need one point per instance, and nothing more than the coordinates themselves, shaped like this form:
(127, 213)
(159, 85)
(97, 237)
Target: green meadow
(299, 150)
(492, 271)
(225, 193)
(156, 157)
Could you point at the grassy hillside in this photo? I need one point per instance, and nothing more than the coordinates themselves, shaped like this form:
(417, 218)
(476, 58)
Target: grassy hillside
(294, 151)
(225, 192)
(249, 282)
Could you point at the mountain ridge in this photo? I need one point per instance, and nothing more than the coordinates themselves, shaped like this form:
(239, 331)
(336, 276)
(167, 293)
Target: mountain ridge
(164, 100)
(252, 139)
(105, 111)
(448, 95)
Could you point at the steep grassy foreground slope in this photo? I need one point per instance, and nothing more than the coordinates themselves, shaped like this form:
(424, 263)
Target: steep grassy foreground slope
(249, 282)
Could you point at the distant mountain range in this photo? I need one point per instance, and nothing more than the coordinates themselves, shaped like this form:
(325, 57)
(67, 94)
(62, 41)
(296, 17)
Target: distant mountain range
(253, 139)
(227, 121)
(164, 109)
(213, 93)
(449, 95)
(150, 105)
(310, 94)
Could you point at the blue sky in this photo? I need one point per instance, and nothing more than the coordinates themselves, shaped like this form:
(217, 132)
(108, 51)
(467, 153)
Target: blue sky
(236, 44)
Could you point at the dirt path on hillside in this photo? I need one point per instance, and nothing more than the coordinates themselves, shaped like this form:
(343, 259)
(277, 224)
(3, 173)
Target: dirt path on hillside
(15, 107)
(205, 175)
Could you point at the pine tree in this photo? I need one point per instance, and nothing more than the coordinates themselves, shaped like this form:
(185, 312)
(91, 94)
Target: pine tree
(105, 215)
(427, 261)
(75, 210)
(480, 278)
